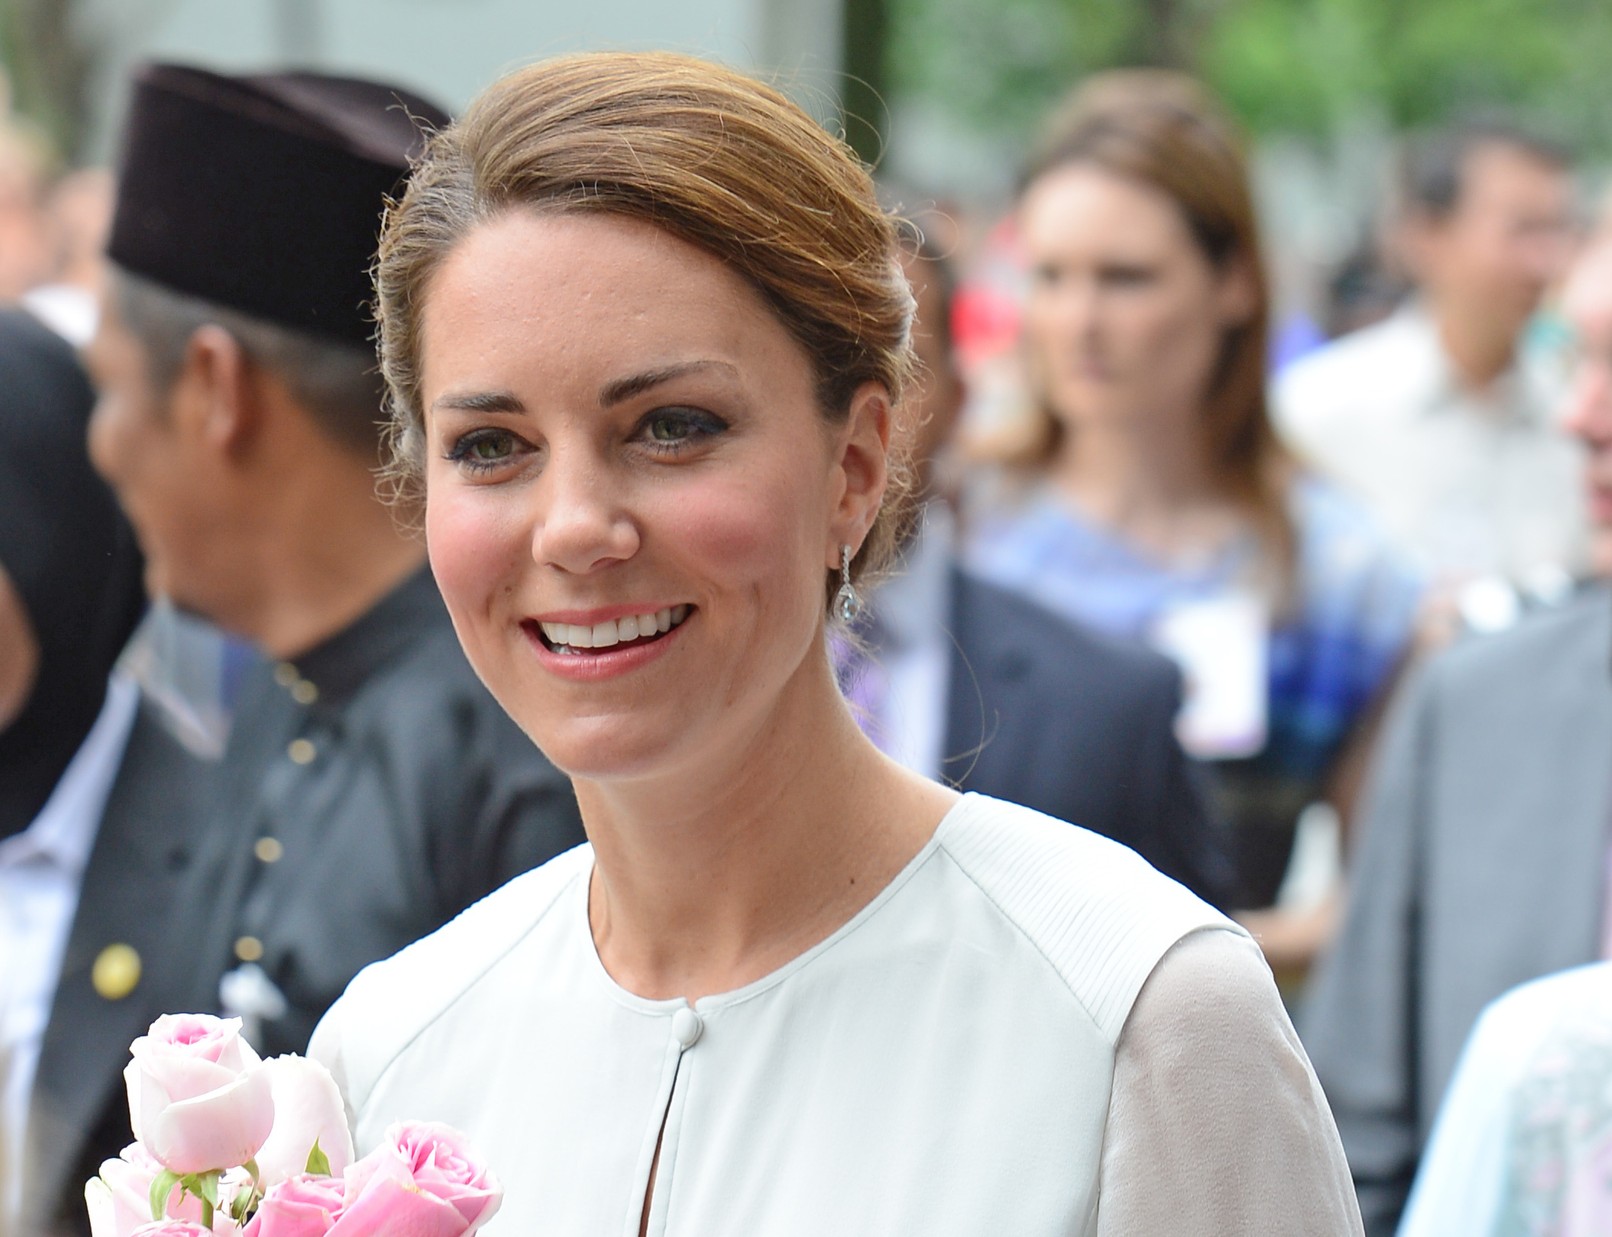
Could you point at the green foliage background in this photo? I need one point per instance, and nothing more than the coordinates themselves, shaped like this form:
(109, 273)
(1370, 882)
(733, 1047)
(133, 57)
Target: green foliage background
(1296, 67)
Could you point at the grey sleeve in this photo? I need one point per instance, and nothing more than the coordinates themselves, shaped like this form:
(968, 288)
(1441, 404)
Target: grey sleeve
(1217, 1126)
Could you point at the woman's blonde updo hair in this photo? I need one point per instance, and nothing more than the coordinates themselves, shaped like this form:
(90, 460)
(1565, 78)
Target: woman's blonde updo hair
(716, 159)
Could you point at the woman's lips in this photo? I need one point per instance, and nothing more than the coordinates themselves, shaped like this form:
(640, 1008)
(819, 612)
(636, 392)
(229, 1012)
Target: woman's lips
(571, 639)
(596, 663)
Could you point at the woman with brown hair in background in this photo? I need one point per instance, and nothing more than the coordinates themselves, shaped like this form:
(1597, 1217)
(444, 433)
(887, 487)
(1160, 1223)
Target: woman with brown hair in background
(646, 333)
(1150, 496)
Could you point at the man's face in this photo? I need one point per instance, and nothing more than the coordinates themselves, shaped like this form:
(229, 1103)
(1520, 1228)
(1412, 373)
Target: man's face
(1508, 238)
(1587, 304)
(152, 461)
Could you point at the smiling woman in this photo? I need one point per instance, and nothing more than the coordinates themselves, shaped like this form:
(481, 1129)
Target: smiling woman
(646, 333)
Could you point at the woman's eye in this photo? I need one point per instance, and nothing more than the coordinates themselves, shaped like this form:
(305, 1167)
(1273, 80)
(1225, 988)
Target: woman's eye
(668, 429)
(1046, 275)
(483, 449)
(1128, 276)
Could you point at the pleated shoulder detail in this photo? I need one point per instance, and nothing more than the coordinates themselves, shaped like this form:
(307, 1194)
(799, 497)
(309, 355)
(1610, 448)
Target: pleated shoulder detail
(1099, 914)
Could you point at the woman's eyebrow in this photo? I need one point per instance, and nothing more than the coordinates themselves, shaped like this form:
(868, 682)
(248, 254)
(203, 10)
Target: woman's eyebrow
(620, 389)
(478, 401)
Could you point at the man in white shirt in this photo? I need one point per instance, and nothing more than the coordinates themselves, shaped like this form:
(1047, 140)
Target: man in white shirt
(1440, 417)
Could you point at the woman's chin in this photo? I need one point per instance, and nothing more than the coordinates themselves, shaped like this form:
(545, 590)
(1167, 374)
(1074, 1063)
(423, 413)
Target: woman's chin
(604, 749)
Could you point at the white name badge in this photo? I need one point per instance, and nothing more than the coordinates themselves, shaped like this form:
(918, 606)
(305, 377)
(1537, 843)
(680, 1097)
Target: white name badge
(1222, 646)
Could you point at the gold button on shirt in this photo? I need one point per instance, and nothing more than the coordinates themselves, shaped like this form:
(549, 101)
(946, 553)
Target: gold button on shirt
(116, 972)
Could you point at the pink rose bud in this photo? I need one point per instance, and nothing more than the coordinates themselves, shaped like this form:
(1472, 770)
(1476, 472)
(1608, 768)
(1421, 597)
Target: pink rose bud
(198, 1098)
(301, 1206)
(307, 1109)
(119, 1200)
(424, 1180)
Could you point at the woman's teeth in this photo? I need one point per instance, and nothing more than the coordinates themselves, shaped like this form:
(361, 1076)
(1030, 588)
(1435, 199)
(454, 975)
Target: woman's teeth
(616, 631)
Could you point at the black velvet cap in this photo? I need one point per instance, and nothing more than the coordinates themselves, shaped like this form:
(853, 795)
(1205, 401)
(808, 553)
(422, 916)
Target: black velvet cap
(264, 193)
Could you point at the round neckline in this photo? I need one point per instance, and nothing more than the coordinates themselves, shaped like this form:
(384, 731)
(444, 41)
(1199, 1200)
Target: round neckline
(714, 1002)
(1212, 570)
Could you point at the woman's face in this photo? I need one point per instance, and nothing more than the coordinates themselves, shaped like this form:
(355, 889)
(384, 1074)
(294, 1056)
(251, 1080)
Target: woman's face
(631, 495)
(1126, 315)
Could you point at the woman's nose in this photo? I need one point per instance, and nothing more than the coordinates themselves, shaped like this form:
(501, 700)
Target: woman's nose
(583, 522)
(1068, 310)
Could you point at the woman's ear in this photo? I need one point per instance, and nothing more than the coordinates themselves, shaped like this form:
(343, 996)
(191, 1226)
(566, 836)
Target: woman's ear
(861, 469)
(1237, 297)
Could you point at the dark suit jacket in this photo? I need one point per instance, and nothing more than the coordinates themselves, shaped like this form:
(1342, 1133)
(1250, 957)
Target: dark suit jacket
(1077, 725)
(147, 841)
(1483, 863)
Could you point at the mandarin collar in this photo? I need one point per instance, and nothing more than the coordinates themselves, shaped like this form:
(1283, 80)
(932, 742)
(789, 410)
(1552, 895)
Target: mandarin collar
(335, 669)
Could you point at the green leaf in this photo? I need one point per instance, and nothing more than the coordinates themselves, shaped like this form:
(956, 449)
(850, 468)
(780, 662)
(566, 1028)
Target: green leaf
(162, 1185)
(204, 1186)
(318, 1161)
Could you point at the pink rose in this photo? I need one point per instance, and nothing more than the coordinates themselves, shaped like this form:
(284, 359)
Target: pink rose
(307, 1109)
(171, 1228)
(198, 1098)
(301, 1206)
(424, 1180)
(119, 1200)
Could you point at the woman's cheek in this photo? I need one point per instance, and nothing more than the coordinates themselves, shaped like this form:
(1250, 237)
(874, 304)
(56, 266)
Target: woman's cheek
(735, 532)
(473, 548)
(721, 529)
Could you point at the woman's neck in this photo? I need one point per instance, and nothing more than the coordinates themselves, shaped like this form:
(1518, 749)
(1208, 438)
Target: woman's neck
(1149, 484)
(712, 877)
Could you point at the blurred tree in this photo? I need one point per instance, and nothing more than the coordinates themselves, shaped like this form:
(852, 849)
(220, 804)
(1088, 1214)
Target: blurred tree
(48, 68)
(1305, 67)
(864, 77)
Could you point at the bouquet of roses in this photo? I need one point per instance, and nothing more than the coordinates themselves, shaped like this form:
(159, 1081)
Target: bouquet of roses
(228, 1143)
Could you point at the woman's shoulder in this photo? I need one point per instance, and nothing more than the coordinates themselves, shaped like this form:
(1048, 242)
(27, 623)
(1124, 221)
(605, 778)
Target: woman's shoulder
(390, 1002)
(1331, 520)
(1100, 915)
(1017, 510)
(1346, 557)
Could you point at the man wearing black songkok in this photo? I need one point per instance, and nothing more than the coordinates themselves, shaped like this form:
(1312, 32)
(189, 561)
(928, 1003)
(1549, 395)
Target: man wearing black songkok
(370, 788)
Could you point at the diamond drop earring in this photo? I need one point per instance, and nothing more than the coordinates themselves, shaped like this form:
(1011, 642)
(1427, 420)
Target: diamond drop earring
(847, 602)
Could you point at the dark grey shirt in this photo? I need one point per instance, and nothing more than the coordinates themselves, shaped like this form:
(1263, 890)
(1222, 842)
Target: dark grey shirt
(371, 790)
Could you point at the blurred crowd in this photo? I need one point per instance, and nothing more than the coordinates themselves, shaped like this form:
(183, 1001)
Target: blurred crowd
(1310, 612)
